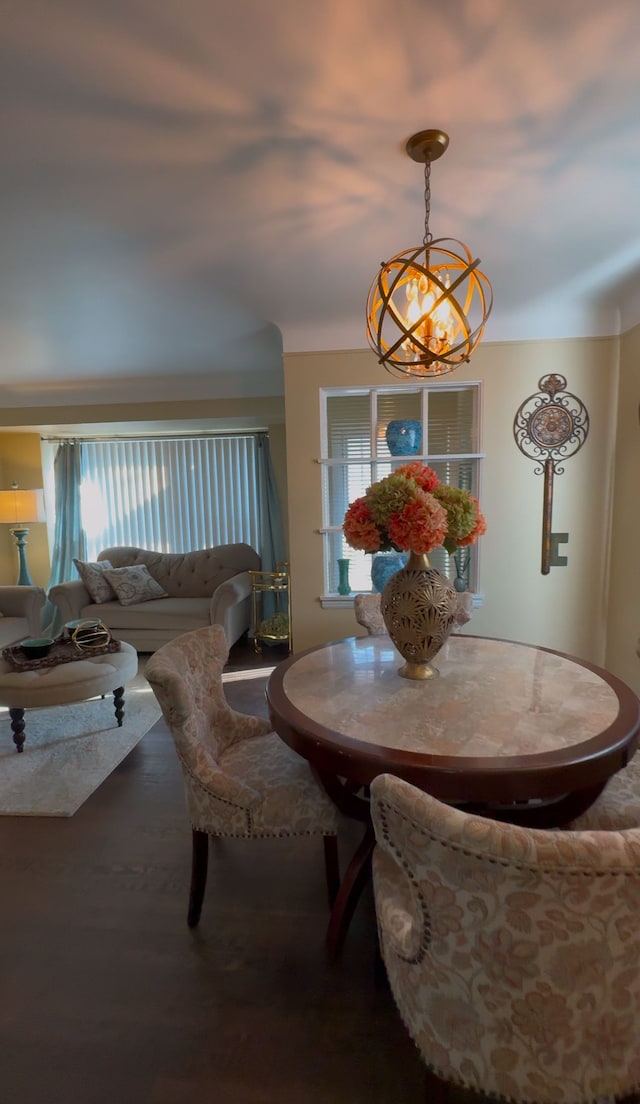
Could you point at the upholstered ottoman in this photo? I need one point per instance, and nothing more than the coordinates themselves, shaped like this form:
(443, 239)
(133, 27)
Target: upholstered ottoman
(80, 680)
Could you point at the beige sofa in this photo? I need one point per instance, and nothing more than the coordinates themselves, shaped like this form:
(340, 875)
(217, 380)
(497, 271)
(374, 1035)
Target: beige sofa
(209, 587)
(20, 608)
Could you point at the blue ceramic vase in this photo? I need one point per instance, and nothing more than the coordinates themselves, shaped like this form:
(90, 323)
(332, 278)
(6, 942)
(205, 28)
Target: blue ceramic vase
(384, 565)
(404, 437)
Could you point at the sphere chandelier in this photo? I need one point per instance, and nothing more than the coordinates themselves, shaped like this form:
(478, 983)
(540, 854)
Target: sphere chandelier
(428, 306)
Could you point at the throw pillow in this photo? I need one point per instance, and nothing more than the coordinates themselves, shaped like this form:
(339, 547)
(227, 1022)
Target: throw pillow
(134, 584)
(94, 578)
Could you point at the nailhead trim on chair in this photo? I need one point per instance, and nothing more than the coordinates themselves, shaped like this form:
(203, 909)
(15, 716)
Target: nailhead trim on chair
(222, 801)
(426, 935)
(251, 831)
(384, 808)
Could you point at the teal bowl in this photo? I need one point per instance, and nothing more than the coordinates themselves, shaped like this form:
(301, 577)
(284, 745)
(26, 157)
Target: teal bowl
(86, 622)
(36, 647)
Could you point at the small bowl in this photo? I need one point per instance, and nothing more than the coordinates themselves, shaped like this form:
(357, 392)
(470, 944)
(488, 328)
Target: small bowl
(36, 647)
(86, 622)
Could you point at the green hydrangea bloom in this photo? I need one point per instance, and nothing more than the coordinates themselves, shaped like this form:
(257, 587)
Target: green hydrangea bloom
(461, 512)
(390, 496)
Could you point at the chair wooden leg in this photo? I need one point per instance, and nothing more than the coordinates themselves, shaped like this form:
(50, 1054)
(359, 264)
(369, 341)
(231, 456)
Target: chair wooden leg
(199, 860)
(332, 867)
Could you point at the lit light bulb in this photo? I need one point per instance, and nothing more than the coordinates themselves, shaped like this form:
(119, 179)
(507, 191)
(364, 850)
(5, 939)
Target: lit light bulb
(444, 320)
(431, 318)
(414, 311)
(426, 305)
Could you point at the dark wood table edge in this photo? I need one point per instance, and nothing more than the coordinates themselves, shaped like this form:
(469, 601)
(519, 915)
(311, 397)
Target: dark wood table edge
(336, 758)
(500, 778)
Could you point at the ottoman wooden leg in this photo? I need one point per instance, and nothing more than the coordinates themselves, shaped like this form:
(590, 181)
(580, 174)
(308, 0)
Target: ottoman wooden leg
(17, 727)
(118, 701)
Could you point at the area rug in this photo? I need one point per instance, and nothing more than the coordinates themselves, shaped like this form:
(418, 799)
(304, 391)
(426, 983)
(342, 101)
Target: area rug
(69, 750)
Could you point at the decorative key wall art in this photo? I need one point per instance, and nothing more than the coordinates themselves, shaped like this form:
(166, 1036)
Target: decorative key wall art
(549, 427)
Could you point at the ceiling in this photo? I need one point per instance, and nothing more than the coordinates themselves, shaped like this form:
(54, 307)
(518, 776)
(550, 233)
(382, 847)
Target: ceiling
(190, 186)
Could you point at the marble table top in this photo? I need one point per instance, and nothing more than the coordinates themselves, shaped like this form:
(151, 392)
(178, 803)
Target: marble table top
(492, 698)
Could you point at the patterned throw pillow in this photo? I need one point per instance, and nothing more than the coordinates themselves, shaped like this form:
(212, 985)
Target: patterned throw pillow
(94, 578)
(134, 584)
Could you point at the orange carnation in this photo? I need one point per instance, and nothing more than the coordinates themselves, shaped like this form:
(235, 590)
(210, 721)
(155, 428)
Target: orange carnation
(478, 530)
(359, 528)
(421, 474)
(420, 527)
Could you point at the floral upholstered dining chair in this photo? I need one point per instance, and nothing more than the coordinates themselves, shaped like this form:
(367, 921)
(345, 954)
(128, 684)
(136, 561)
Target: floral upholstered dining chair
(367, 612)
(240, 778)
(513, 954)
(618, 806)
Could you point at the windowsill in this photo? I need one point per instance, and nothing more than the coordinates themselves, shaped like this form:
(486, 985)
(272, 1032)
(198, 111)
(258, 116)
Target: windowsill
(345, 601)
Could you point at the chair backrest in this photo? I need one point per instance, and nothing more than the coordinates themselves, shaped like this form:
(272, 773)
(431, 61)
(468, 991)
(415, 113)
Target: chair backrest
(185, 676)
(513, 954)
(367, 612)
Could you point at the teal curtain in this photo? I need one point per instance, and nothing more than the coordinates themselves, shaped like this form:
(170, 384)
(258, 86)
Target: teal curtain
(69, 538)
(272, 547)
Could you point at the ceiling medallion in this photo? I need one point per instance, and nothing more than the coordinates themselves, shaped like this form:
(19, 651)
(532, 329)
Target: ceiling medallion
(427, 307)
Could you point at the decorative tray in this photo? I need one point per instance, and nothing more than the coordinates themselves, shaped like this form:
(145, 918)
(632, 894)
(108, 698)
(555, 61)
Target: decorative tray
(62, 650)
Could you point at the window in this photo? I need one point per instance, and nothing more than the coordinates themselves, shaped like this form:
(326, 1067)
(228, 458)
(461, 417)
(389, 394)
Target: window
(172, 494)
(168, 494)
(355, 454)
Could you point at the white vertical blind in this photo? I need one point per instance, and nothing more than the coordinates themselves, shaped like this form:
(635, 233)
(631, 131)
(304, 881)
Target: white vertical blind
(170, 495)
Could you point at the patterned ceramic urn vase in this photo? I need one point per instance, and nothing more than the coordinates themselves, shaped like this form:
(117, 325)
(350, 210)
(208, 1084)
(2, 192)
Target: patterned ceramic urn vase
(418, 606)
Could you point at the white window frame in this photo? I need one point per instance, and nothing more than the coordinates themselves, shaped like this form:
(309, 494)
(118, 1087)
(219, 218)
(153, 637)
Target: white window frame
(330, 599)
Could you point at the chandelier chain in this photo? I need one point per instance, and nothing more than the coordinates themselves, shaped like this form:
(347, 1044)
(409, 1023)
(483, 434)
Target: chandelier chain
(428, 236)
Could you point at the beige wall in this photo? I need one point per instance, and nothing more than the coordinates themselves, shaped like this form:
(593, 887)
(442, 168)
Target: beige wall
(244, 413)
(566, 609)
(623, 624)
(571, 609)
(20, 460)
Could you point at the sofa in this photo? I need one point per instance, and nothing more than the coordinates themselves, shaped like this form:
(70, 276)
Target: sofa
(211, 586)
(20, 609)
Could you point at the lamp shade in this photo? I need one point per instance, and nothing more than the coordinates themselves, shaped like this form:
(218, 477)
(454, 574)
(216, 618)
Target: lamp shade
(20, 507)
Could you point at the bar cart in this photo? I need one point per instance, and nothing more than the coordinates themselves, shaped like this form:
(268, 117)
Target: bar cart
(270, 621)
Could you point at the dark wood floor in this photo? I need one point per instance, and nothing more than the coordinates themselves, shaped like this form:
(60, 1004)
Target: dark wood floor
(108, 998)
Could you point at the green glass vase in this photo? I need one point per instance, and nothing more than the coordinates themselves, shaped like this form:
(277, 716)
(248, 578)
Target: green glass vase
(344, 587)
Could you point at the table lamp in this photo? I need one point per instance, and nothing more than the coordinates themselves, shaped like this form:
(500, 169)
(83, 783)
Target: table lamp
(18, 509)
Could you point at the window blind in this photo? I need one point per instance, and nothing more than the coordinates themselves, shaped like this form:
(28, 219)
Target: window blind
(170, 495)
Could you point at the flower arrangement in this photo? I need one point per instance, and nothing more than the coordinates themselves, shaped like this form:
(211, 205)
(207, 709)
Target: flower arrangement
(411, 510)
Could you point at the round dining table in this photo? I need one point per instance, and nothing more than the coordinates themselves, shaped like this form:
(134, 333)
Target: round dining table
(510, 730)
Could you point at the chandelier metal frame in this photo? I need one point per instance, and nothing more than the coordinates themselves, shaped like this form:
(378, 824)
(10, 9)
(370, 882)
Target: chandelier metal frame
(435, 340)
